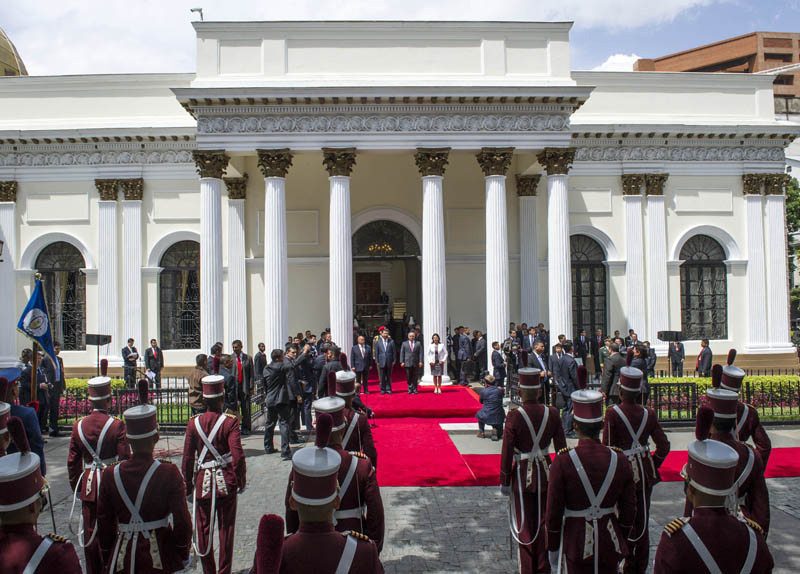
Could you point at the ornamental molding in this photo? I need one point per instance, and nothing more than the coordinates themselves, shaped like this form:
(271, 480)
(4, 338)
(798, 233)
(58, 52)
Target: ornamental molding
(654, 183)
(8, 191)
(775, 183)
(94, 158)
(680, 153)
(107, 189)
(432, 161)
(274, 162)
(556, 161)
(527, 184)
(339, 162)
(132, 189)
(210, 163)
(632, 183)
(495, 160)
(237, 187)
(752, 183)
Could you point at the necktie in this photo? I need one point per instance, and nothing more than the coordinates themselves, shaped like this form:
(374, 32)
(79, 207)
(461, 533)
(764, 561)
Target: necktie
(239, 361)
(155, 353)
(412, 346)
(362, 351)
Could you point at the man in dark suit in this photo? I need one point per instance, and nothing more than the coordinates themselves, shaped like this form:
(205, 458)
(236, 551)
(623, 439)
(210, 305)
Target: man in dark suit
(539, 360)
(611, 371)
(411, 360)
(243, 373)
(529, 340)
(385, 354)
(565, 376)
(281, 390)
(480, 355)
(360, 361)
(332, 364)
(597, 343)
(581, 344)
(676, 358)
(561, 340)
(704, 359)
(498, 365)
(58, 382)
(154, 361)
(129, 357)
(259, 362)
(629, 340)
(464, 354)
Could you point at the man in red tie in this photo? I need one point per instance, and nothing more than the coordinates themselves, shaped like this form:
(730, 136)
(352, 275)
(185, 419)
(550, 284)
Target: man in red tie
(243, 372)
(154, 361)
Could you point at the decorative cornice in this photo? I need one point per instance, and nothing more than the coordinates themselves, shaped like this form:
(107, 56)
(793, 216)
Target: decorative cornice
(107, 189)
(210, 163)
(432, 161)
(95, 157)
(632, 183)
(340, 161)
(654, 183)
(274, 162)
(752, 183)
(237, 187)
(8, 191)
(132, 189)
(556, 161)
(495, 160)
(775, 183)
(680, 153)
(527, 184)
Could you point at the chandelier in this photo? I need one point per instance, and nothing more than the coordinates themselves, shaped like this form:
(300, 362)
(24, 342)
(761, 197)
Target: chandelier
(380, 249)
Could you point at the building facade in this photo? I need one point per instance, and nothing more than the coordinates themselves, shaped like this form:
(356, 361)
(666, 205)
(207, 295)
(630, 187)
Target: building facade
(462, 169)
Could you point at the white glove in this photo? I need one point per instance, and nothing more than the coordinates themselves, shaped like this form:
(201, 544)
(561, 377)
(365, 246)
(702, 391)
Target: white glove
(552, 556)
(188, 565)
(505, 490)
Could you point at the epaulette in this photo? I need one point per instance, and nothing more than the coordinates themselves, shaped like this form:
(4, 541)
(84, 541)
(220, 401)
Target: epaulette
(232, 416)
(356, 535)
(674, 526)
(165, 460)
(115, 463)
(755, 525)
(565, 449)
(191, 418)
(358, 453)
(616, 448)
(57, 538)
(750, 406)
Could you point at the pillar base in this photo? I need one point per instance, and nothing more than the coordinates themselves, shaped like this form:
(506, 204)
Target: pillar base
(427, 381)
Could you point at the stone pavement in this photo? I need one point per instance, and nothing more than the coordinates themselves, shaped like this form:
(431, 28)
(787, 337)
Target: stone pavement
(440, 530)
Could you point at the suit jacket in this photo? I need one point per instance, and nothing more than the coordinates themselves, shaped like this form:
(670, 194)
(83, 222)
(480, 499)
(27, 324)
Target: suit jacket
(154, 361)
(498, 365)
(581, 348)
(528, 342)
(567, 375)
(246, 386)
(641, 364)
(303, 373)
(359, 363)
(409, 357)
(464, 348)
(676, 356)
(58, 381)
(280, 383)
(611, 370)
(492, 412)
(481, 352)
(30, 421)
(259, 362)
(128, 352)
(704, 360)
(231, 401)
(385, 352)
(322, 382)
(533, 362)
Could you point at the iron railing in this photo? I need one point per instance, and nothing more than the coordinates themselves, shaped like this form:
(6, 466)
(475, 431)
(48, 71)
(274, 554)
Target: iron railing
(765, 372)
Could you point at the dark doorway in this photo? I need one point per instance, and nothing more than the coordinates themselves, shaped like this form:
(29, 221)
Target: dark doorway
(589, 302)
(368, 288)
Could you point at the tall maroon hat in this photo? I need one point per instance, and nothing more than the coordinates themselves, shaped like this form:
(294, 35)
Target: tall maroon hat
(703, 422)
(333, 406)
(103, 367)
(345, 383)
(5, 412)
(316, 468)
(141, 421)
(530, 379)
(330, 379)
(587, 406)
(711, 467)
(269, 544)
(630, 379)
(213, 386)
(732, 377)
(99, 388)
(723, 402)
(21, 480)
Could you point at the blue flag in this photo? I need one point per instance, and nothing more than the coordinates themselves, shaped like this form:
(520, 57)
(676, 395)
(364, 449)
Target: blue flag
(35, 323)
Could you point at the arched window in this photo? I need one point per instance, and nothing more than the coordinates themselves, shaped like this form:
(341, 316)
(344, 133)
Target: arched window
(179, 290)
(60, 265)
(704, 289)
(588, 286)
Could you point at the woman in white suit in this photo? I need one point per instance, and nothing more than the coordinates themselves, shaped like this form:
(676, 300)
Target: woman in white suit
(437, 357)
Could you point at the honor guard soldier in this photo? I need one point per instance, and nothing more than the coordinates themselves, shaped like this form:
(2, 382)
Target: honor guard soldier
(142, 518)
(525, 468)
(9, 392)
(360, 506)
(748, 423)
(22, 495)
(97, 441)
(215, 477)
(629, 426)
(750, 496)
(314, 496)
(5, 438)
(591, 500)
(358, 435)
(711, 540)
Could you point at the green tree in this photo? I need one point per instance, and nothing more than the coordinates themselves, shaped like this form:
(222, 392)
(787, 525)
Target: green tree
(792, 219)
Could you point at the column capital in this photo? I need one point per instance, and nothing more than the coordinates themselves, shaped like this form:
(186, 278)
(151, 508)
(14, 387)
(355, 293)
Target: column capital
(237, 187)
(775, 183)
(527, 184)
(107, 189)
(274, 162)
(432, 161)
(556, 160)
(8, 191)
(751, 183)
(654, 183)
(495, 160)
(132, 189)
(632, 183)
(339, 161)
(211, 162)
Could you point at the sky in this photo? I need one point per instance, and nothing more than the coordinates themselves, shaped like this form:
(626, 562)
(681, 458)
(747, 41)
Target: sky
(112, 36)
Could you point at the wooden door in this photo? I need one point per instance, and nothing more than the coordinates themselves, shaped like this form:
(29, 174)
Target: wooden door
(368, 288)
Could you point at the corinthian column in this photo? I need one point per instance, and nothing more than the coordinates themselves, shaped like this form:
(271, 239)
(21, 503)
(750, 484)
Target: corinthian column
(107, 264)
(634, 248)
(339, 164)
(8, 253)
(777, 273)
(132, 190)
(495, 162)
(528, 264)
(237, 278)
(275, 165)
(211, 165)
(657, 257)
(431, 164)
(756, 281)
(557, 161)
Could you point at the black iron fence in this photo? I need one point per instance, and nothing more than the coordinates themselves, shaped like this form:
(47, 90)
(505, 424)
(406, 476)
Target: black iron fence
(765, 372)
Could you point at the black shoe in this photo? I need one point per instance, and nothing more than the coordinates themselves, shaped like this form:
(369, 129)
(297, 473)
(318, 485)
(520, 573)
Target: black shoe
(270, 450)
(383, 392)
(495, 438)
(245, 432)
(287, 456)
(571, 434)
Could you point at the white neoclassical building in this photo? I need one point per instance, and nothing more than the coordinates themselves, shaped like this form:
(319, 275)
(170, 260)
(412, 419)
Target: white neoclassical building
(462, 169)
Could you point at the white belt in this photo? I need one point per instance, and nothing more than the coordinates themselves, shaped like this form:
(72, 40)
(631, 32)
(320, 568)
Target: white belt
(214, 463)
(105, 461)
(357, 512)
(591, 513)
(143, 527)
(639, 450)
(538, 455)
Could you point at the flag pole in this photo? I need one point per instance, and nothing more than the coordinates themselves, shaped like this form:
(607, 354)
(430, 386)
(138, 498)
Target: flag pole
(35, 360)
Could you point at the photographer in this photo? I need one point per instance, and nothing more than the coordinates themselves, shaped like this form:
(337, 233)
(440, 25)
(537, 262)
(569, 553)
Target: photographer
(492, 413)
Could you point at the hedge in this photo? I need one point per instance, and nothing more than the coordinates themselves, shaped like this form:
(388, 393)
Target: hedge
(82, 384)
(766, 392)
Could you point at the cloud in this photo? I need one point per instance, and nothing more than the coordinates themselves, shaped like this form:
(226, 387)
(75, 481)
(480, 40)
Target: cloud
(618, 63)
(116, 36)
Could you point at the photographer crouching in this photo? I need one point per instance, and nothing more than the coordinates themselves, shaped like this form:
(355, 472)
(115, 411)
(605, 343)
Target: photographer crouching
(492, 413)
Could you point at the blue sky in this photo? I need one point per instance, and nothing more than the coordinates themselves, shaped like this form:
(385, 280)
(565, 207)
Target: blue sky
(108, 36)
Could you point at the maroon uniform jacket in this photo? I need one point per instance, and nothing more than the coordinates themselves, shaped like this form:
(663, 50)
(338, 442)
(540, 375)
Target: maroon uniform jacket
(362, 491)
(361, 437)
(753, 489)
(726, 538)
(227, 440)
(18, 543)
(749, 425)
(615, 433)
(317, 547)
(566, 493)
(165, 495)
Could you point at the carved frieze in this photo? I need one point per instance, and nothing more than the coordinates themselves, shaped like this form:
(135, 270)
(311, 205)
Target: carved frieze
(107, 189)
(680, 153)
(556, 161)
(632, 183)
(8, 190)
(210, 163)
(527, 185)
(775, 183)
(654, 183)
(274, 162)
(432, 161)
(237, 187)
(80, 158)
(495, 160)
(339, 161)
(132, 189)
